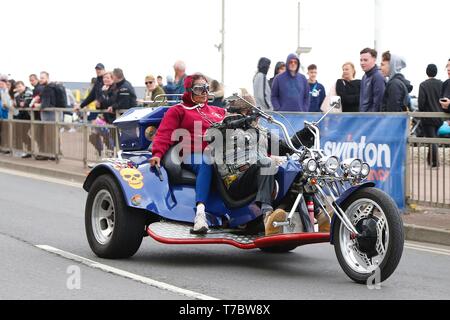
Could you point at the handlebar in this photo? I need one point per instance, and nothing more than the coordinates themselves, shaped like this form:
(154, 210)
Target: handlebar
(270, 119)
(158, 171)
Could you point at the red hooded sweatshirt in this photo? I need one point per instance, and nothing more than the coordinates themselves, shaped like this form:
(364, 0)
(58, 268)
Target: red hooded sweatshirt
(183, 116)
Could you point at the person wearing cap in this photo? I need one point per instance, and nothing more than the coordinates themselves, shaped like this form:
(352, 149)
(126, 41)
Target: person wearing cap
(96, 91)
(193, 116)
(152, 91)
(396, 93)
(429, 93)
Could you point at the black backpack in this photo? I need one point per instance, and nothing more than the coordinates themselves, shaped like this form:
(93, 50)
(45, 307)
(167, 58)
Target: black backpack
(60, 95)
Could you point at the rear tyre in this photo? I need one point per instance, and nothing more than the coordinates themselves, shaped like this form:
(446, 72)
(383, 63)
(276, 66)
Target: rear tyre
(113, 230)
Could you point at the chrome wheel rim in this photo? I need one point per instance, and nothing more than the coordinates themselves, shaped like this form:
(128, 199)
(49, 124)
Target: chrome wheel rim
(356, 259)
(102, 217)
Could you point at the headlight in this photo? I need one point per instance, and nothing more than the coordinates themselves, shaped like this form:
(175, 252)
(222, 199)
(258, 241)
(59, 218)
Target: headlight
(330, 164)
(356, 167)
(352, 166)
(365, 169)
(310, 165)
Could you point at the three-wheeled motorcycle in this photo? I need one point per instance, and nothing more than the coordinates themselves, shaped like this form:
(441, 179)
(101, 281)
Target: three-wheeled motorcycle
(128, 200)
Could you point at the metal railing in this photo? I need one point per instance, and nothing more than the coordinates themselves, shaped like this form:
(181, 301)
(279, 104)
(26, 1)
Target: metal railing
(426, 184)
(81, 140)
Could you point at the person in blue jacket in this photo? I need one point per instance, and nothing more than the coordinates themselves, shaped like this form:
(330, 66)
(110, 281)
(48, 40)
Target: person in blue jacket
(290, 90)
(372, 83)
(316, 90)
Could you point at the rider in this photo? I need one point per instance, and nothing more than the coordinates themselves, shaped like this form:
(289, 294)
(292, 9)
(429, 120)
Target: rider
(246, 168)
(194, 115)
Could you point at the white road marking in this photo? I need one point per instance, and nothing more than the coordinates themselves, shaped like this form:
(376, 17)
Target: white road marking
(41, 177)
(126, 274)
(427, 249)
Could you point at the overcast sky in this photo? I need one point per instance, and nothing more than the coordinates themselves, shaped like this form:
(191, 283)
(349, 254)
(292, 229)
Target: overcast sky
(67, 38)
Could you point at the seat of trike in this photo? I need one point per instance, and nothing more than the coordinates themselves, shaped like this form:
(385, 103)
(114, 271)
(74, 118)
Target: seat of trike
(180, 175)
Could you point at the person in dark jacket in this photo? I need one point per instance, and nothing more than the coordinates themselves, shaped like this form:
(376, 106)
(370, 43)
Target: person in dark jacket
(445, 92)
(179, 68)
(280, 67)
(45, 135)
(316, 90)
(23, 99)
(108, 97)
(396, 93)
(290, 90)
(125, 93)
(47, 97)
(429, 92)
(37, 90)
(261, 87)
(348, 88)
(101, 136)
(37, 87)
(96, 91)
(170, 89)
(372, 83)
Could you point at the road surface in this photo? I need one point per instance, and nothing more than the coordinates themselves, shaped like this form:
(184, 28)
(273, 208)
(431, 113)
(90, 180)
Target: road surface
(44, 254)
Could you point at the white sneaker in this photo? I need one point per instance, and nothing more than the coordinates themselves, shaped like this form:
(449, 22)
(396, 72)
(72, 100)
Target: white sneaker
(200, 223)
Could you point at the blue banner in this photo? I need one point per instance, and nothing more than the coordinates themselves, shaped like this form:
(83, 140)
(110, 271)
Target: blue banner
(379, 140)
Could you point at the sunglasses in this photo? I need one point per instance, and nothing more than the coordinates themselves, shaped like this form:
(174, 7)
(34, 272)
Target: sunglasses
(200, 89)
(293, 62)
(149, 82)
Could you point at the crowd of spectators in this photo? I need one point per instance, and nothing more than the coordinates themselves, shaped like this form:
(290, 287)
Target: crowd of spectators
(381, 89)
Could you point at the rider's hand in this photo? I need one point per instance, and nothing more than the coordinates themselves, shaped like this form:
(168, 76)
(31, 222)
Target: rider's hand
(110, 110)
(155, 161)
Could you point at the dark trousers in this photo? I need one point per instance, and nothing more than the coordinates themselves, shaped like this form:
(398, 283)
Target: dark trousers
(253, 181)
(433, 156)
(100, 136)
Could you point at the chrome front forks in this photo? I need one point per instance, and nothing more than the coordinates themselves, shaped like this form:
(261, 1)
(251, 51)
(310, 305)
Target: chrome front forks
(323, 198)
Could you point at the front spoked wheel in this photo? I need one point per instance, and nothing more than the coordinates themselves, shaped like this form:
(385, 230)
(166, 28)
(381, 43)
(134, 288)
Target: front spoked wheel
(377, 251)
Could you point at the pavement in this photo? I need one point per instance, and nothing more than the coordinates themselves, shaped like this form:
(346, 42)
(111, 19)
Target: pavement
(422, 224)
(45, 255)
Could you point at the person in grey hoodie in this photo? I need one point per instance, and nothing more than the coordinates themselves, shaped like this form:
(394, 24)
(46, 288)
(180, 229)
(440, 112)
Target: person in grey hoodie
(261, 87)
(396, 94)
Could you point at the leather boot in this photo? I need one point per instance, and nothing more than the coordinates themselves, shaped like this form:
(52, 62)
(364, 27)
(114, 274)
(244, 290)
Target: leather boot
(324, 224)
